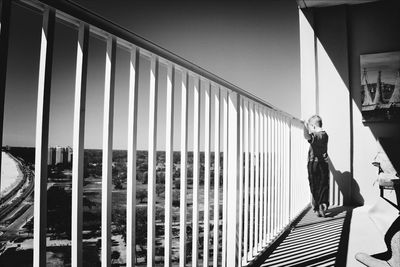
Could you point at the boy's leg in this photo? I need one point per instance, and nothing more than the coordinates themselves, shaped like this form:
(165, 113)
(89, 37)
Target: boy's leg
(323, 169)
(313, 181)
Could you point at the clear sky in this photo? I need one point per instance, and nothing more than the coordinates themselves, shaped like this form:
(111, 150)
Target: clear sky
(252, 44)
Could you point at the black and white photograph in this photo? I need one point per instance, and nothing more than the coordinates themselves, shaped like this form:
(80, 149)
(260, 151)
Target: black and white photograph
(380, 85)
(199, 133)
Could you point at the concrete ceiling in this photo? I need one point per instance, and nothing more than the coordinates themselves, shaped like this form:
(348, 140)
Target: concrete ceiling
(325, 3)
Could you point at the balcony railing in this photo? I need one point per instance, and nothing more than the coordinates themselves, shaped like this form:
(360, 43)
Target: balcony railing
(264, 184)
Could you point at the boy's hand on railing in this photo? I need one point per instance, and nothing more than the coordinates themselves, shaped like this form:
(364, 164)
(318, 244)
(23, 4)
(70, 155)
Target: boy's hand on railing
(306, 131)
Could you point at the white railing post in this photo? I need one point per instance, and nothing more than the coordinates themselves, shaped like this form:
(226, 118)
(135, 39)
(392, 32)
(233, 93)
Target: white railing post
(269, 164)
(42, 138)
(246, 182)
(225, 140)
(266, 178)
(252, 156)
(281, 174)
(108, 119)
(152, 155)
(78, 144)
(5, 12)
(274, 214)
(240, 180)
(196, 170)
(169, 163)
(216, 173)
(290, 168)
(207, 135)
(131, 161)
(261, 194)
(233, 239)
(257, 177)
(183, 185)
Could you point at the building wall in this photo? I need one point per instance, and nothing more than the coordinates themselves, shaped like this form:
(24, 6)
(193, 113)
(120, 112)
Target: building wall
(341, 34)
(330, 97)
(374, 28)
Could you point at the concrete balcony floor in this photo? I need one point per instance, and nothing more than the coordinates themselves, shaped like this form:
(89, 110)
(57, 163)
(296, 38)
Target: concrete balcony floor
(330, 241)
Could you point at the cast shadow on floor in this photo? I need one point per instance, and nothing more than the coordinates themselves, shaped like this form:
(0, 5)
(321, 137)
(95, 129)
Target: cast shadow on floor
(313, 241)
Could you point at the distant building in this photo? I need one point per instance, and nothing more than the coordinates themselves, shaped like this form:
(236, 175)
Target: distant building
(51, 157)
(69, 155)
(59, 155)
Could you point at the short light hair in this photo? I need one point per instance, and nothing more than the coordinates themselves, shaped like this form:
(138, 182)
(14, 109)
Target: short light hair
(315, 120)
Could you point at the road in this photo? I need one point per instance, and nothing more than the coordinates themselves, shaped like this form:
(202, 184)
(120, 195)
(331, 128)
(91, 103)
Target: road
(16, 226)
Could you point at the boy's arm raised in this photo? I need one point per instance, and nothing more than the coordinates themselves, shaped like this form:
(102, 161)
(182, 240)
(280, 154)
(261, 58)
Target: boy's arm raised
(307, 135)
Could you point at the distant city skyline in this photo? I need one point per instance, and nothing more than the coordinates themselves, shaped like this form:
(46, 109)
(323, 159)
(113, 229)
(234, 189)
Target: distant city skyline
(252, 45)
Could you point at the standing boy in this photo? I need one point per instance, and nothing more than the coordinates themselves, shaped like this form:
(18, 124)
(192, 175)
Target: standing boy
(318, 169)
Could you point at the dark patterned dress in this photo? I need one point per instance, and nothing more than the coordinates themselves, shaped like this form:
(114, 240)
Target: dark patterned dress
(318, 169)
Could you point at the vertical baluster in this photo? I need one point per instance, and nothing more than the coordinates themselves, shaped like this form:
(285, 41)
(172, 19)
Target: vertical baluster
(183, 186)
(224, 175)
(196, 170)
(286, 173)
(246, 182)
(261, 194)
(266, 182)
(298, 146)
(257, 178)
(169, 163)
(232, 218)
(152, 157)
(275, 178)
(279, 150)
(269, 189)
(251, 242)
(109, 85)
(281, 195)
(299, 150)
(290, 168)
(292, 172)
(131, 162)
(207, 134)
(5, 12)
(78, 144)
(278, 173)
(296, 168)
(284, 170)
(301, 145)
(216, 173)
(283, 165)
(42, 137)
(240, 170)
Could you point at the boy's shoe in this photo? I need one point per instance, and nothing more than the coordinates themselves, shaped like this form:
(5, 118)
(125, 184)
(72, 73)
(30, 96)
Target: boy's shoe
(322, 209)
(319, 213)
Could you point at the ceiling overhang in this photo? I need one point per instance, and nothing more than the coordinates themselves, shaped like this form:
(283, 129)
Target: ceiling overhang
(326, 3)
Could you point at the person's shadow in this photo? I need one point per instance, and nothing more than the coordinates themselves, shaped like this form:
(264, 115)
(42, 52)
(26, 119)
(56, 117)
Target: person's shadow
(347, 186)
